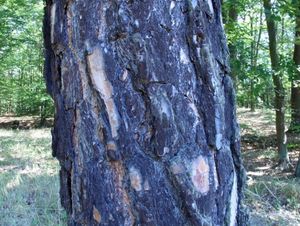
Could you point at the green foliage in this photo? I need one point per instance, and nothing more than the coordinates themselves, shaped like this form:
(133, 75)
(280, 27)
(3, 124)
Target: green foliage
(22, 87)
(248, 35)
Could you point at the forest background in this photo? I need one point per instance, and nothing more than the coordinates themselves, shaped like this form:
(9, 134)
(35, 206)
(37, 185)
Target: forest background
(264, 45)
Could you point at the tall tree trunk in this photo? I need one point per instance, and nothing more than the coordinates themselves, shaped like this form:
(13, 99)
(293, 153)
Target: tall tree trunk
(295, 89)
(297, 173)
(252, 96)
(253, 57)
(145, 125)
(232, 22)
(278, 87)
(252, 51)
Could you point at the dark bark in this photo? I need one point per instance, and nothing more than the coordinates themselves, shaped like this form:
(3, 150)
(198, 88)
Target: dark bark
(297, 173)
(232, 22)
(295, 106)
(145, 125)
(254, 55)
(252, 96)
(278, 87)
(251, 93)
(295, 89)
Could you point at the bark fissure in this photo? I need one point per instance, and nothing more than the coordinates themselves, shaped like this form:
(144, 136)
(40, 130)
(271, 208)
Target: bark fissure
(145, 139)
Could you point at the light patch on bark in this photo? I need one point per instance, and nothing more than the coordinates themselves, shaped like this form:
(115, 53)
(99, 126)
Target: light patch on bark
(96, 215)
(183, 57)
(211, 8)
(219, 138)
(104, 87)
(124, 76)
(200, 174)
(177, 168)
(216, 180)
(233, 201)
(172, 6)
(52, 21)
(194, 3)
(166, 150)
(135, 179)
(219, 118)
(146, 185)
(165, 108)
(61, 27)
(196, 114)
(122, 194)
(137, 23)
(111, 145)
(218, 94)
(163, 105)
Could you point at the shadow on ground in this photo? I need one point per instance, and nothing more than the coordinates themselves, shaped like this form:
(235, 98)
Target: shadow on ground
(272, 195)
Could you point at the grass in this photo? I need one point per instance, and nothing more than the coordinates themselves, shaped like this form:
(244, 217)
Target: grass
(274, 201)
(272, 196)
(29, 183)
(277, 193)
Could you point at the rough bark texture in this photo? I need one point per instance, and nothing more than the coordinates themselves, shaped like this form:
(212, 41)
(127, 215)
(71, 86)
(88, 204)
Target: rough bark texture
(145, 125)
(295, 90)
(297, 172)
(278, 86)
(232, 22)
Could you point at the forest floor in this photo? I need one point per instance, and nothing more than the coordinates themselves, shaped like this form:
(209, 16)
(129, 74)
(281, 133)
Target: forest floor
(29, 181)
(24, 122)
(273, 196)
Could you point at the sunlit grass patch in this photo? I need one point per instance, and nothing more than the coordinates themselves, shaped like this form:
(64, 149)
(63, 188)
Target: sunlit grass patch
(268, 153)
(29, 183)
(277, 192)
(273, 196)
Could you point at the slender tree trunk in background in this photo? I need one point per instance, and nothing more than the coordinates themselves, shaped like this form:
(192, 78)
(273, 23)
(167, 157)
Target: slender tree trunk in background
(295, 89)
(251, 93)
(253, 55)
(278, 87)
(252, 97)
(145, 126)
(232, 22)
(297, 173)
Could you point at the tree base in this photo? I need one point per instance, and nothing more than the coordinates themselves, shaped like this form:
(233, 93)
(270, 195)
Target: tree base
(284, 166)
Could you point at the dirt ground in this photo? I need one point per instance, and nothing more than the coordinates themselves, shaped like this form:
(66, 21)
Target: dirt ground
(272, 195)
(23, 122)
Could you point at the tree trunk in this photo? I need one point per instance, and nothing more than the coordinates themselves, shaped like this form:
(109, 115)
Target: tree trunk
(295, 106)
(295, 89)
(232, 22)
(252, 96)
(297, 173)
(278, 87)
(253, 57)
(145, 125)
(252, 47)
